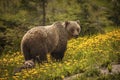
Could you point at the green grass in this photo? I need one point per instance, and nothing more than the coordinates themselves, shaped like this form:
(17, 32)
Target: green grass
(83, 55)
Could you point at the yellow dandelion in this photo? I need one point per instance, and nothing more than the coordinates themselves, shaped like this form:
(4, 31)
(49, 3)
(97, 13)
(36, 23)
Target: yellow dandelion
(44, 71)
(68, 63)
(35, 72)
(24, 76)
(62, 76)
(15, 78)
(11, 59)
(4, 60)
(60, 64)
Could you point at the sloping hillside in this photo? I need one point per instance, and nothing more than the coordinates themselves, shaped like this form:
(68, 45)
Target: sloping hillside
(83, 55)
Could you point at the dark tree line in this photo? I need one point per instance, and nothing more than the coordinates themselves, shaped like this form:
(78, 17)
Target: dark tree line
(17, 16)
(115, 12)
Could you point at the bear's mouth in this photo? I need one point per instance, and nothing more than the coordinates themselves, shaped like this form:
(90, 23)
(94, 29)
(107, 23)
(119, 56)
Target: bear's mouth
(75, 36)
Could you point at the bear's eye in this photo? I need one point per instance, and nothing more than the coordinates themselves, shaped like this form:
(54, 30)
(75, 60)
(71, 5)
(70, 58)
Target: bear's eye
(78, 29)
(72, 30)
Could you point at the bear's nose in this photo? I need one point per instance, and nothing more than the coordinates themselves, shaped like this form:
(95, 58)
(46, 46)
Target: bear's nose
(76, 36)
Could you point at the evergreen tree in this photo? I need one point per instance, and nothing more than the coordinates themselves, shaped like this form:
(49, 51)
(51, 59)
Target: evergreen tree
(90, 17)
(114, 11)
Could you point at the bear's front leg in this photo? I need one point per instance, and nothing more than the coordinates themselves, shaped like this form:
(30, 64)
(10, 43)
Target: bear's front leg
(58, 54)
(41, 58)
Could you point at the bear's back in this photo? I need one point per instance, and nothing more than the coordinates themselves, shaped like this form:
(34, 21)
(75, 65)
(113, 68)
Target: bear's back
(35, 32)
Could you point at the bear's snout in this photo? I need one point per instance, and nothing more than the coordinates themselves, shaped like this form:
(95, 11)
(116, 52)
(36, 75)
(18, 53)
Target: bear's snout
(76, 36)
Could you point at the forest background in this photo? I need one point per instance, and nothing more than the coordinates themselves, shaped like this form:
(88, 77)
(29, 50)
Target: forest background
(18, 16)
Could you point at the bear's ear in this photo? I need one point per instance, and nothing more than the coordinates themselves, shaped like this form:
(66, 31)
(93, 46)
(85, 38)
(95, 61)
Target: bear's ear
(66, 23)
(78, 21)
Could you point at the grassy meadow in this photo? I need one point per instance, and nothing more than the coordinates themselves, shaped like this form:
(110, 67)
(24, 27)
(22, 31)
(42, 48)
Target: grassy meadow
(83, 55)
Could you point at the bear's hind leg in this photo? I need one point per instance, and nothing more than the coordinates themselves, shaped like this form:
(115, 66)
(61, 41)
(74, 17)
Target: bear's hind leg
(26, 52)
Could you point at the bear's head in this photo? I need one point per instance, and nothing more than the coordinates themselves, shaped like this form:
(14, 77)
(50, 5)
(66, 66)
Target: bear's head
(73, 28)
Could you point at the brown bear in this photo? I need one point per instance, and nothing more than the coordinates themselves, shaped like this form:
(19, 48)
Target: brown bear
(39, 41)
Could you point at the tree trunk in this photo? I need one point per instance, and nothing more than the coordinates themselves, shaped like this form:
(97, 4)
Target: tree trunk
(44, 12)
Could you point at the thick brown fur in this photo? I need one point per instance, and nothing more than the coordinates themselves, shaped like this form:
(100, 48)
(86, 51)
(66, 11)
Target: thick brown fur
(39, 41)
